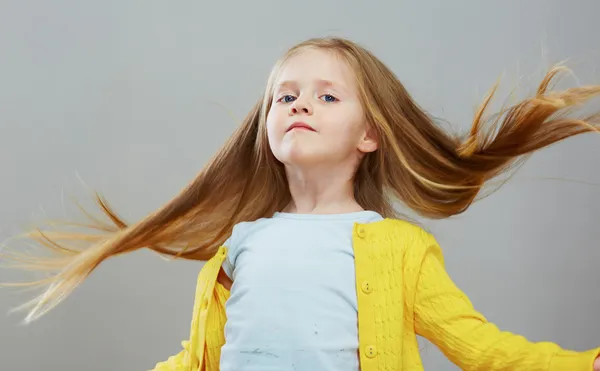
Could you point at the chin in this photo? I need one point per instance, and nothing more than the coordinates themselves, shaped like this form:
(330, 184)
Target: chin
(301, 158)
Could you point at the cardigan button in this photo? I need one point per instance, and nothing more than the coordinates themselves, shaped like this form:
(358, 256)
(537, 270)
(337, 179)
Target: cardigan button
(361, 232)
(371, 351)
(366, 287)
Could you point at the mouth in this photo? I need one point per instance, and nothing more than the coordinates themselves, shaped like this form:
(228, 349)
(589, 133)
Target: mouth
(300, 126)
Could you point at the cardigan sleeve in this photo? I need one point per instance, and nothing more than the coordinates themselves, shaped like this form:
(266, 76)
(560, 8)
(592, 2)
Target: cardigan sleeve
(445, 316)
(212, 297)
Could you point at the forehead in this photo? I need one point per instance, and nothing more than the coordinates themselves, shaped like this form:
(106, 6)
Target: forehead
(314, 64)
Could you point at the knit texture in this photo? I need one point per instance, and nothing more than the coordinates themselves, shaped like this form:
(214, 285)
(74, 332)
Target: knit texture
(403, 290)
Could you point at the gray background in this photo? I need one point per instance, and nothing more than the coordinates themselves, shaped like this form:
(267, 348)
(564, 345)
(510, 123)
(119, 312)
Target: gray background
(132, 97)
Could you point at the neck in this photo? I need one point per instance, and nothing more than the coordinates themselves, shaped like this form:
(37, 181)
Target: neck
(322, 190)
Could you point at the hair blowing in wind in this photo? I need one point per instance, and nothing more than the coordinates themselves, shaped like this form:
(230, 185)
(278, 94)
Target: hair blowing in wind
(432, 172)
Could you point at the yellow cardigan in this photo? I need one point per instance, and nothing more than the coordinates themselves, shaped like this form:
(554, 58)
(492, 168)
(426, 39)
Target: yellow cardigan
(403, 290)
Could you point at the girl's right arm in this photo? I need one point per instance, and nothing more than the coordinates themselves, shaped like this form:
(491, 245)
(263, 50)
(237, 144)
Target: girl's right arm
(182, 360)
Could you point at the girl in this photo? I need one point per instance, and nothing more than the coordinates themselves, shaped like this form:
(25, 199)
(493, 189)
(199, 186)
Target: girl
(308, 267)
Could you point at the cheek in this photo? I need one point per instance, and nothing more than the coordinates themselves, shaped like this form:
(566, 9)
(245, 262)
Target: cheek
(274, 130)
(275, 120)
(345, 132)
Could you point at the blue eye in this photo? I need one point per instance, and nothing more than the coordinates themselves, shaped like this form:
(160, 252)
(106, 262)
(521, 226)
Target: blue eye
(285, 99)
(329, 98)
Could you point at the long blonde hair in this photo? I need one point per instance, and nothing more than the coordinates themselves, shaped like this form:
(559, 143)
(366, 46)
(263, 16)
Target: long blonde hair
(432, 172)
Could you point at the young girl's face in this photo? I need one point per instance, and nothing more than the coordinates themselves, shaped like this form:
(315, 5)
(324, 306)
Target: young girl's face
(316, 115)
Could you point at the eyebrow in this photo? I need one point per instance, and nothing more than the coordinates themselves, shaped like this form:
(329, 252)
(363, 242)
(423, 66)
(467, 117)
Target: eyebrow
(289, 84)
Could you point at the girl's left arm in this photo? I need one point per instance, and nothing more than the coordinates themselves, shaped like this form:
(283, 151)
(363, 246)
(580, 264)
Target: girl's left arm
(445, 316)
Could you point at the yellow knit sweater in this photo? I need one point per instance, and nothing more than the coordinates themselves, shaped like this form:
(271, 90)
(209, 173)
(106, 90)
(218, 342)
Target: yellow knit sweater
(403, 290)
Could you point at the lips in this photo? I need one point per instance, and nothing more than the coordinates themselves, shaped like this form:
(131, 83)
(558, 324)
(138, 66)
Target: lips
(301, 126)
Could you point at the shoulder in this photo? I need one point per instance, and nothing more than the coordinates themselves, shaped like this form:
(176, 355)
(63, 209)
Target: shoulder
(414, 240)
(242, 230)
(400, 229)
(233, 245)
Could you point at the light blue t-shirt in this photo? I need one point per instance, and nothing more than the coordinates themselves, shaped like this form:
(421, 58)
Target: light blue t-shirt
(293, 303)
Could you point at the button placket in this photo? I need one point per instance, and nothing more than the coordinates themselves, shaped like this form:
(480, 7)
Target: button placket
(364, 286)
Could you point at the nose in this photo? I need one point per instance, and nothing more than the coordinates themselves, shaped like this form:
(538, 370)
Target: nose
(301, 106)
